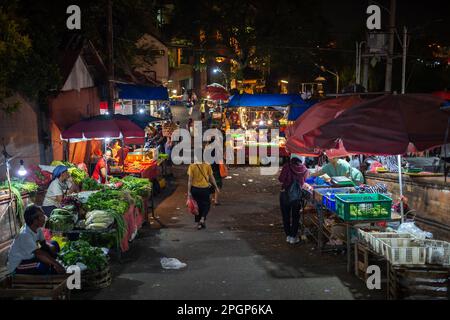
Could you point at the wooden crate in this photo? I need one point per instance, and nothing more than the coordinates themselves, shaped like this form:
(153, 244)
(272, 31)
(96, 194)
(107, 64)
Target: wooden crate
(31, 286)
(96, 280)
(418, 283)
(365, 257)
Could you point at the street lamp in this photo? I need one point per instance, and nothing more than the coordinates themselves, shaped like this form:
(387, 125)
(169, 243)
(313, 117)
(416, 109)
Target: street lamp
(218, 70)
(332, 73)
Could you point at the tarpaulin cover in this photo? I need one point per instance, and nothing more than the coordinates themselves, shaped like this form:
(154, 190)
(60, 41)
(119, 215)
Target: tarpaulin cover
(136, 92)
(141, 120)
(266, 100)
(102, 128)
(387, 125)
(296, 111)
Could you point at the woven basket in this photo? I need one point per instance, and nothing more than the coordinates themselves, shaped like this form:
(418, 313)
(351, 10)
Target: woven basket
(95, 280)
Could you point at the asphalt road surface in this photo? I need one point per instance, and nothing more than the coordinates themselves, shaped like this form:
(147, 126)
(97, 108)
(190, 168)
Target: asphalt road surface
(241, 255)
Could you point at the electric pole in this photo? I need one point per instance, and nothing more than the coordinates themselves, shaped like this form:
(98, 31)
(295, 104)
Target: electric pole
(111, 107)
(405, 52)
(390, 56)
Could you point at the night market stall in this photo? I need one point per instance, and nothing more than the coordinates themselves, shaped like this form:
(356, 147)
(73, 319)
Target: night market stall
(258, 112)
(415, 123)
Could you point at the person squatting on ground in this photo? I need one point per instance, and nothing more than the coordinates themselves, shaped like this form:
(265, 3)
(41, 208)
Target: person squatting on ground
(30, 253)
(200, 184)
(293, 171)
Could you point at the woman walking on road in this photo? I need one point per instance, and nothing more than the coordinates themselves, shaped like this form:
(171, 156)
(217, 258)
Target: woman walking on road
(200, 184)
(293, 172)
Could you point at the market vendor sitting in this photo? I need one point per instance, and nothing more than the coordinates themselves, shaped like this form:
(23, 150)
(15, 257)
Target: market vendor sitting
(30, 253)
(101, 169)
(60, 186)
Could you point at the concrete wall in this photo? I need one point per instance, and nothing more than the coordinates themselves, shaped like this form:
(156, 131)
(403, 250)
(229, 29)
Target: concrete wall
(67, 109)
(430, 197)
(19, 132)
(161, 65)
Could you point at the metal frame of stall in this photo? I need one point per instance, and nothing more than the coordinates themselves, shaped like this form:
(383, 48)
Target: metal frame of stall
(320, 209)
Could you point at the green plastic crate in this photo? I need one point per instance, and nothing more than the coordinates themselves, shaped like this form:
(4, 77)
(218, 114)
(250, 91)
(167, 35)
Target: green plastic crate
(370, 206)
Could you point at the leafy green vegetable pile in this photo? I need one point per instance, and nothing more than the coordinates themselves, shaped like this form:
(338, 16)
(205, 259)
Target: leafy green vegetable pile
(82, 252)
(114, 202)
(141, 187)
(108, 200)
(17, 188)
(89, 184)
(138, 188)
(28, 187)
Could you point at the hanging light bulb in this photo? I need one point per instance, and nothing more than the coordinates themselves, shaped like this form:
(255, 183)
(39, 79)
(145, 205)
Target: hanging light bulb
(22, 171)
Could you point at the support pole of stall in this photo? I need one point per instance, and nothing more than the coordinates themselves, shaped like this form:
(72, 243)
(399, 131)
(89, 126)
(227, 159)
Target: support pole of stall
(400, 181)
(106, 161)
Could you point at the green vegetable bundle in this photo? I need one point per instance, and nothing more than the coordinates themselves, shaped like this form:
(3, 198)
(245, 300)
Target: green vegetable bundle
(61, 220)
(77, 175)
(83, 252)
(63, 163)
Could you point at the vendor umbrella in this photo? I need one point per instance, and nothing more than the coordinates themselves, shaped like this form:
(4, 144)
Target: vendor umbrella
(389, 125)
(217, 92)
(99, 128)
(386, 126)
(316, 116)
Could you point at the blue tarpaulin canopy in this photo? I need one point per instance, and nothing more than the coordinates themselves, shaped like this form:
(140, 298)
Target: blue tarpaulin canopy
(296, 111)
(136, 92)
(265, 100)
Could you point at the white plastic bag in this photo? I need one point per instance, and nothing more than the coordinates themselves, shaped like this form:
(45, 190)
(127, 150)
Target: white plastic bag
(410, 227)
(172, 264)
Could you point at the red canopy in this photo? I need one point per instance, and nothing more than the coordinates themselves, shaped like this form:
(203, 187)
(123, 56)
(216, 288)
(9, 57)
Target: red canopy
(102, 129)
(217, 92)
(442, 94)
(386, 126)
(312, 119)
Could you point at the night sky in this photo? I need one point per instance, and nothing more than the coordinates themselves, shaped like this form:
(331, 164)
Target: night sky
(346, 16)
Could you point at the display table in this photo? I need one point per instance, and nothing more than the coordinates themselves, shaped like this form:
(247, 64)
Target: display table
(316, 202)
(428, 196)
(134, 220)
(149, 171)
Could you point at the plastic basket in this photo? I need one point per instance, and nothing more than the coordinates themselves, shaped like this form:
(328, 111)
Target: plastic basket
(414, 254)
(383, 244)
(376, 237)
(351, 207)
(329, 202)
(438, 252)
(364, 236)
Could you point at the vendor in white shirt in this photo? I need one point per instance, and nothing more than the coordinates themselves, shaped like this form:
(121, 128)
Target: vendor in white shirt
(57, 190)
(30, 253)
